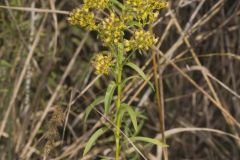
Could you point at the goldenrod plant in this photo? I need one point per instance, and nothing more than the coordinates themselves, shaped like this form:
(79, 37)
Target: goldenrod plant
(56, 79)
(113, 19)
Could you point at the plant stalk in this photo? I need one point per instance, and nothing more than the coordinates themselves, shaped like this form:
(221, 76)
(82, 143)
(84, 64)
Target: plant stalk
(118, 122)
(160, 103)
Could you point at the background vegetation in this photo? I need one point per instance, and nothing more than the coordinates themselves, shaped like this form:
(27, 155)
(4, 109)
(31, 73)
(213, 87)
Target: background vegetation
(47, 80)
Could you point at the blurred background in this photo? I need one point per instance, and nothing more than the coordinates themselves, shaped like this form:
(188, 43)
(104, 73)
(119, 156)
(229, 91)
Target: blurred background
(45, 63)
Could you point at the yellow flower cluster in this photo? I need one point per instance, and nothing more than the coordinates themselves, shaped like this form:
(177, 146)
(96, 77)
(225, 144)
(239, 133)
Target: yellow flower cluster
(112, 30)
(145, 10)
(83, 17)
(102, 63)
(158, 5)
(98, 4)
(140, 40)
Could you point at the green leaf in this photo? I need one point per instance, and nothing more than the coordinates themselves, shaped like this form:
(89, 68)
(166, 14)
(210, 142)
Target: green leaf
(4, 63)
(140, 72)
(119, 4)
(149, 140)
(108, 96)
(132, 115)
(90, 107)
(93, 139)
(121, 113)
(128, 79)
(135, 23)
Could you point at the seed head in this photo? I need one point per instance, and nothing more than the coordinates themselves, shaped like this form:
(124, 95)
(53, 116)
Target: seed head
(52, 134)
(58, 116)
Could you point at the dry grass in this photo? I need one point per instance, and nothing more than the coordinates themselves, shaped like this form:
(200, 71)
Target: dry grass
(45, 62)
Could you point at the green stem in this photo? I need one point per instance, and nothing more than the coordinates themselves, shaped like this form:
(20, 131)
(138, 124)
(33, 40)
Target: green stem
(118, 122)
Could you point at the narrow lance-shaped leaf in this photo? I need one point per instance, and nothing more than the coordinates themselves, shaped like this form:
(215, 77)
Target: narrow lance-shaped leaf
(149, 140)
(135, 23)
(93, 139)
(132, 115)
(119, 4)
(90, 107)
(4, 63)
(140, 72)
(109, 96)
(121, 113)
(128, 79)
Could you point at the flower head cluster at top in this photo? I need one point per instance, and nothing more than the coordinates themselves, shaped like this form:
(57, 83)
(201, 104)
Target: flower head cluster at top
(112, 19)
(112, 30)
(84, 17)
(146, 10)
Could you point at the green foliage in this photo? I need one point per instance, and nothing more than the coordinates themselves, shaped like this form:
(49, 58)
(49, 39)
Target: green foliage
(91, 106)
(135, 24)
(4, 63)
(149, 140)
(108, 96)
(117, 3)
(131, 113)
(93, 139)
(140, 72)
(128, 79)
